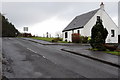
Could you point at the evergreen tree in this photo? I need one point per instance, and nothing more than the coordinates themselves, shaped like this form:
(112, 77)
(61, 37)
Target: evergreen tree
(98, 35)
(8, 29)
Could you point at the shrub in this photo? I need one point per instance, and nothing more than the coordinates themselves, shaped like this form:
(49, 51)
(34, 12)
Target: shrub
(81, 39)
(75, 38)
(26, 35)
(85, 39)
(98, 35)
(57, 39)
(111, 47)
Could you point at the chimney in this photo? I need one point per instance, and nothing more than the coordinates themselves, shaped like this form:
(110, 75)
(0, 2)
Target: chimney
(102, 6)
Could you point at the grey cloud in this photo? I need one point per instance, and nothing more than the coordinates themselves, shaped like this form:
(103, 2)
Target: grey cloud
(29, 13)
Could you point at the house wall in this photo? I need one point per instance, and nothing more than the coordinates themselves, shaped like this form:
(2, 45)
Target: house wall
(70, 34)
(69, 38)
(107, 23)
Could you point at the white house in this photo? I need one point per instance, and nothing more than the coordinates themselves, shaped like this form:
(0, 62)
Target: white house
(83, 24)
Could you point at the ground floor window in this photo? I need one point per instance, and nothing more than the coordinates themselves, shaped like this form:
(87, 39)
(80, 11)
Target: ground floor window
(72, 31)
(118, 38)
(66, 34)
(78, 31)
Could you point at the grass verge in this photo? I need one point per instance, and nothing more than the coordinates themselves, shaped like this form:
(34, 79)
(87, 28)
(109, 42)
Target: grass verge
(46, 39)
(113, 52)
(109, 52)
(42, 38)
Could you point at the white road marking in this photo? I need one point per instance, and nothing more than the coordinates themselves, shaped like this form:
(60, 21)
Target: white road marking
(44, 57)
(35, 52)
(31, 50)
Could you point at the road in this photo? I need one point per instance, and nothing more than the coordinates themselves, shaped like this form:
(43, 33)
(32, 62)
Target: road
(25, 59)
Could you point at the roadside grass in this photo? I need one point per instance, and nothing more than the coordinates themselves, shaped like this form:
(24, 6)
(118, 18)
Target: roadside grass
(109, 52)
(47, 39)
(93, 49)
(113, 52)
(43, 38)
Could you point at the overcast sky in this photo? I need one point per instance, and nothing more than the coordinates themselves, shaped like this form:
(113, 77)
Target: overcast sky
(51, 17)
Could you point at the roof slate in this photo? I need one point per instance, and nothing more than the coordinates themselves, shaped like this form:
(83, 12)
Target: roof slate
(80, 21)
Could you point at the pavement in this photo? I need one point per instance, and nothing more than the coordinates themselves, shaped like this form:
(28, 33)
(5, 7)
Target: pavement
(26, 59)
(82, 50)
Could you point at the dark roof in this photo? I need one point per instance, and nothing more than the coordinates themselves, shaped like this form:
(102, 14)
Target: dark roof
(80, 21)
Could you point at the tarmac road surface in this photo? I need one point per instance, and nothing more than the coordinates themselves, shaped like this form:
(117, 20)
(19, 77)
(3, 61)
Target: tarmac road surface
(26, 59)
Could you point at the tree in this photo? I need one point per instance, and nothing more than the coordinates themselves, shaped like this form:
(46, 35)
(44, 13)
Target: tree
(8, 29)
(98, 35)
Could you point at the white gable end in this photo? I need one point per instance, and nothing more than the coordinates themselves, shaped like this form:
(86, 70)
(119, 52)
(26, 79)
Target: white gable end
(107, 23)
(110, 25)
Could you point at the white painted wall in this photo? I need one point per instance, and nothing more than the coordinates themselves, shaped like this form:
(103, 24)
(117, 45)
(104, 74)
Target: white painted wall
(107, 23)
(69, 38)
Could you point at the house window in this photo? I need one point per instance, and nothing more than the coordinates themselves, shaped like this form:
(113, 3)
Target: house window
(112, 33)
(78, 31)
(98, 17)
(66, 34)
(72, 31)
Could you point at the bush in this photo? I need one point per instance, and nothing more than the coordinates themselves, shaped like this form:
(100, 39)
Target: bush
(111, 47)
(98, 35)
(57, 39)
(26, 35)
(75, 38)
(85, 39)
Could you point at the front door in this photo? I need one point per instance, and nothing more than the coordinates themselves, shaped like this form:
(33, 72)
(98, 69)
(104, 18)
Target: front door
(118, 38)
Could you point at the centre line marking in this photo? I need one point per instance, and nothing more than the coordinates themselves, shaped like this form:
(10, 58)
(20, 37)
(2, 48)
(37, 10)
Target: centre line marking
(31, 50)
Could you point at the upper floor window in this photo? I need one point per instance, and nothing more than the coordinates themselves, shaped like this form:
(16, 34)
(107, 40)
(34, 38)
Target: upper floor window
(112, 33)
(98, 17)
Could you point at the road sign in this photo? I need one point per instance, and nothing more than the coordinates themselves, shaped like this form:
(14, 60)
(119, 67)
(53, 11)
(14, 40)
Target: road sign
(25, 28)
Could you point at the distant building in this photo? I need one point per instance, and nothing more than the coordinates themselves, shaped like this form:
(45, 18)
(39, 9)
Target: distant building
(83, 24)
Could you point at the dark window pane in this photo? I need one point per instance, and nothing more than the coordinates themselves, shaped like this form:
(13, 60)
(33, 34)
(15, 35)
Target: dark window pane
(113, 33)
(98, 17)
(66, 35)
(78, 31)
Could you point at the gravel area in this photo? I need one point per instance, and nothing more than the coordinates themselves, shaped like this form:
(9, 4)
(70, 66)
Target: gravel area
(6, 66)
